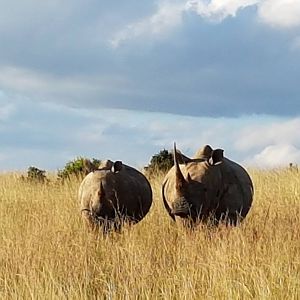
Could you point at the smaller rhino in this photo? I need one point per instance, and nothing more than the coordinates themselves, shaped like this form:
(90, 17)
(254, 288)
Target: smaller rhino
(113, 194)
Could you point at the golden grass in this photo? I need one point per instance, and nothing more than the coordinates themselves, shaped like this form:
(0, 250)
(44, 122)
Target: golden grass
(47, 253)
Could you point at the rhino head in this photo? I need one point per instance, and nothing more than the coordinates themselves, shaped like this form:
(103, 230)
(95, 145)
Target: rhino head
(194, 184)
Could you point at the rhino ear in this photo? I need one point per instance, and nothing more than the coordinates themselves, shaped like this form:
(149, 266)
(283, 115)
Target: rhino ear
(216, 157)
(117, 166)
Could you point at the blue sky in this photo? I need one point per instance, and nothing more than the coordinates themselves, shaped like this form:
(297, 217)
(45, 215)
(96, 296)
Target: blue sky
(123, 81)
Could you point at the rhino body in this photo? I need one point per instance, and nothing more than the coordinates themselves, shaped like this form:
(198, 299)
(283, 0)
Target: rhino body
(113, 194)
(207, 187)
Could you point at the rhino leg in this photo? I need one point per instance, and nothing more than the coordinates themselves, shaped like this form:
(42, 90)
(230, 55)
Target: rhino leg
(108, 226)
(88, 218)
(228, 218)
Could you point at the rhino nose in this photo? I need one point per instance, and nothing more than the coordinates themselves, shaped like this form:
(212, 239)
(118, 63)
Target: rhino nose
(180, 206)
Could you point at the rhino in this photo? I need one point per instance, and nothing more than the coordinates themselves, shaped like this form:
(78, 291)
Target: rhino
(208, 187)
(113, 194)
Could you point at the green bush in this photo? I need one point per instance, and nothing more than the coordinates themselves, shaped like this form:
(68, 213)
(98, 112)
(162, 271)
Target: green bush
(161, 162)
(35, 175)
(79, 167)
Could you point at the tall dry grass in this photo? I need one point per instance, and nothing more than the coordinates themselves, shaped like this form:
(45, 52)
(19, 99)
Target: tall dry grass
(47, 253)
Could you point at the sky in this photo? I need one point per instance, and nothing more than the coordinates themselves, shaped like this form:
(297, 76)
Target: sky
(123, 81)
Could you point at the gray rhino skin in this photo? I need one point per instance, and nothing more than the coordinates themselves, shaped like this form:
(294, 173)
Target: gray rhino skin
(113, 194)
(207, 187)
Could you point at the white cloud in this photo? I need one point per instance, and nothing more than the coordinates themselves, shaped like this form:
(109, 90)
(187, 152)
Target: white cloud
(272, 133)
(218, 9)
(272, 144)
(277, 13)
(168, 16)
(276, 156)
(280, 13)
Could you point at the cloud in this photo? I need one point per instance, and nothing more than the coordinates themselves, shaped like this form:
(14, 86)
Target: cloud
(168, 16)
(188, 85)
(200, 69)
(48, 135)
(69, 89)
(276, 156)
(173, 75)
(276, 132)
(280, 13)
(273, 143)
(275, 13)
(218, 10)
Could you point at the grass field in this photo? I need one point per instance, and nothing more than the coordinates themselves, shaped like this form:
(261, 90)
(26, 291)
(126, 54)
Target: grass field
(47, 253)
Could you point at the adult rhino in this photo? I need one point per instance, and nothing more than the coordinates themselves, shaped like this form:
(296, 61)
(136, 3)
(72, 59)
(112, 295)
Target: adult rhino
(207, 187)
(112, 194)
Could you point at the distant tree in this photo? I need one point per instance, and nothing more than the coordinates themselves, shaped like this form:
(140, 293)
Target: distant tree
(160, 162)
(35, 175)
(79, 167)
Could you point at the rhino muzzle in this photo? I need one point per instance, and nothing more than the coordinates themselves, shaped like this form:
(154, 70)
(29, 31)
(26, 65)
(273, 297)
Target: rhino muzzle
(181, 207)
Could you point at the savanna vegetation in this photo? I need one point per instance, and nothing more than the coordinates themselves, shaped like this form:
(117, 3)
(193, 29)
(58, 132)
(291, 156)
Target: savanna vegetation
(47, 253)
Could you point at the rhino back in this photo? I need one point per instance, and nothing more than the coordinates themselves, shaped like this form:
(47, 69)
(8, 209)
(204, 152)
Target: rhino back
(127, 191)
(134, 191)
(238, 188)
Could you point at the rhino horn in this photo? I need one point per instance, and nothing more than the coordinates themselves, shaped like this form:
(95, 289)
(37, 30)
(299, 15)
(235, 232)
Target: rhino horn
(180, 180)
